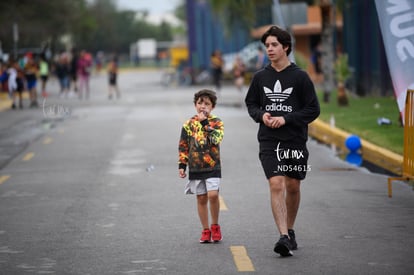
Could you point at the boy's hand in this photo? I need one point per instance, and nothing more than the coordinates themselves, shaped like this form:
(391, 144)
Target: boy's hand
(202, 115)
(182, 173)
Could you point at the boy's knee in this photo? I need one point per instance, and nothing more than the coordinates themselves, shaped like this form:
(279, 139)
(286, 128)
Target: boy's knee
(213, 195)
(202, 199)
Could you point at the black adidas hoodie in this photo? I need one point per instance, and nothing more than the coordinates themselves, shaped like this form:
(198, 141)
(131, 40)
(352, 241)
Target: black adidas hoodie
(289, 93)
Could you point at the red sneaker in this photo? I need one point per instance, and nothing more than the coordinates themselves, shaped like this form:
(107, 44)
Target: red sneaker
(205, 236)
(216, 233)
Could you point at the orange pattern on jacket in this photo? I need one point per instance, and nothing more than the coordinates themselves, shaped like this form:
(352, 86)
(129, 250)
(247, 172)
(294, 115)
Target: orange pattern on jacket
(199, 146)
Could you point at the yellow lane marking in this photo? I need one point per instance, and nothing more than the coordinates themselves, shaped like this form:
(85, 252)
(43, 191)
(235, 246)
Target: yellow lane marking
(47, 140)
(3, 178)
(28, 156)
(241, 259)
(223, 206)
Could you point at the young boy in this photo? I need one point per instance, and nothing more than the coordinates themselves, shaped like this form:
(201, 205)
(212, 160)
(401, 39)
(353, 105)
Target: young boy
(199, 149)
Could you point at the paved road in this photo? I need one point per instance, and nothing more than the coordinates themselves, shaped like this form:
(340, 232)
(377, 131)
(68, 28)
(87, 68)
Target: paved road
(91, 187)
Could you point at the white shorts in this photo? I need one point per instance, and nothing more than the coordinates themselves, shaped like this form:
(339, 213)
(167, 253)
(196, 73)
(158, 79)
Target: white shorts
(201, 187)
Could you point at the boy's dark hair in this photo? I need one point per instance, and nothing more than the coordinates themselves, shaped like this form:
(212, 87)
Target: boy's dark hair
(206, 93)
(282, 36)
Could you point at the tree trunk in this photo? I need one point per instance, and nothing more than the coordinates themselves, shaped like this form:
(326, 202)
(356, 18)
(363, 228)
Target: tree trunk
(328, 58)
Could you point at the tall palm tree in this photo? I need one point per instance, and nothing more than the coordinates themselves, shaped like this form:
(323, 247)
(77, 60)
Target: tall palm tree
(328, 57)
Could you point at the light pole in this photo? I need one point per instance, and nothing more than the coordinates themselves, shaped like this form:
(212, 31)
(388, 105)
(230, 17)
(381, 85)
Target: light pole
(15, 38)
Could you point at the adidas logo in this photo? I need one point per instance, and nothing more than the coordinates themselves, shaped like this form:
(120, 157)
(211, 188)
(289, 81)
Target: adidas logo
(277, 95)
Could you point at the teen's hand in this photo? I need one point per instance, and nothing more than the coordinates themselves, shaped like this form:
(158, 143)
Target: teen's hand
(273, 122)
(267, 119)
(278, 121)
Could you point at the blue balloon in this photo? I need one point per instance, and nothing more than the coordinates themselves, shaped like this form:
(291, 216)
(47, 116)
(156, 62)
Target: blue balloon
(354, 158)
(353, 143)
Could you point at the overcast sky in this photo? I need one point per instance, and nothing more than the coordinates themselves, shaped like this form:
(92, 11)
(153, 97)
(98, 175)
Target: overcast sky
(158, 9)
(156, 6)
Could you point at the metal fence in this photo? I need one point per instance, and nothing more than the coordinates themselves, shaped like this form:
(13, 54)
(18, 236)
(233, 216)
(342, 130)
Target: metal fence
(408, 157)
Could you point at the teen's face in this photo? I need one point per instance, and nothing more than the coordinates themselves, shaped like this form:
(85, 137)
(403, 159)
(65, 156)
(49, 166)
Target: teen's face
(274, 49)
(204, 104)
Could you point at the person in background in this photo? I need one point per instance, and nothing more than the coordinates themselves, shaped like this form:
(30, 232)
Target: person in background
(316, 58)
(84, 71)
(15, 82)
(239, 70)
(3, 76)
(112, 77)
(74, 69)
(216, 66)
(62, 71)
(31, 69)
(282, 99)
(44, 73)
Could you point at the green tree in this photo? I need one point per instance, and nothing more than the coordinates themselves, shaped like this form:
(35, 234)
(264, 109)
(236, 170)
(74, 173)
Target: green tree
(165, 32)
(241, 13)
(39, 22)
(181, 15)
(89, 24)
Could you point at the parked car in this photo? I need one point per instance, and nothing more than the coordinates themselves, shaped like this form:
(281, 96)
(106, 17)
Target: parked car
(248, 54)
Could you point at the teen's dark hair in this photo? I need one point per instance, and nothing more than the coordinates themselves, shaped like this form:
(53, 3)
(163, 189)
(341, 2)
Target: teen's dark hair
(206, 93)
(282, 36)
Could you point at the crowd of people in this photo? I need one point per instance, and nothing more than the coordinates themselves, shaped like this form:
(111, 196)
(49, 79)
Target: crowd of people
(31, 72)
(72, 69)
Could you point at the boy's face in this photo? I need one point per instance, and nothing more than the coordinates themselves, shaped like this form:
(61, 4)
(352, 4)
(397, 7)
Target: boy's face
(204, 104)
(274, 49)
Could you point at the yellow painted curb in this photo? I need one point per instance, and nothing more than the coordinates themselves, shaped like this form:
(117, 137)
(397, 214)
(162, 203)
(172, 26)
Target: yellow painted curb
(5, 101)
(379, 156)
